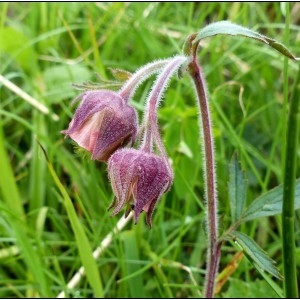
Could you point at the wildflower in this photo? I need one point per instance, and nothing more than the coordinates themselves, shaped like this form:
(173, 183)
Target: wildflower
(102, 123)
(138, 179)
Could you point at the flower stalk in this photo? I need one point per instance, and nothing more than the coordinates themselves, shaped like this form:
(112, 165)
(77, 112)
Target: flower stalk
(153, 100)
(214, 248)
(131, 85)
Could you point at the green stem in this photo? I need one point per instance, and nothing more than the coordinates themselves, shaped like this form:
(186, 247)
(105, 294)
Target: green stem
(285, 83)
(288, 230)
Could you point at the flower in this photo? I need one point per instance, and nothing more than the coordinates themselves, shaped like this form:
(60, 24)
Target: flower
(102, 123)
(138, 179)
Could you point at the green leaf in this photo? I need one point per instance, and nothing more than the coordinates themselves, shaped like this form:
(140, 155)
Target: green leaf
(8, 185)
(18, 47)
(11, 205)
(259, 257)
(84, 247)
(237, 189)
(119, 74)
(228, 28)
(188, 163)
(131, 254)
(58, 80)
(270, 203)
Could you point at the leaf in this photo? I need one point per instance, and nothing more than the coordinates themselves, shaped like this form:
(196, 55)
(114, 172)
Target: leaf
(131, 255)
(260, 258)
(270, 203)
(237, 187)
(228, 28)
(187, 167)
(185, 149)
(119, 74)
(8, 184)
(11, 206)
(82, 242)
(18, 47)
(58, 80)
(102, 83)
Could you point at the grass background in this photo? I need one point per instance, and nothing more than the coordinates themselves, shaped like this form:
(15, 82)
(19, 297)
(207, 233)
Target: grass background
(47, 46)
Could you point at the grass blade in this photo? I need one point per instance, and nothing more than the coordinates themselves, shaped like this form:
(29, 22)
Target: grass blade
(32, 101)
(97, 252)
(131, 253)
(7, 182)
(84, 247)
(16, 216)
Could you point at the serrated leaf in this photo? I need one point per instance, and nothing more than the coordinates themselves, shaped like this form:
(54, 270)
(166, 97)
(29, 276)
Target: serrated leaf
(270, 203)
(258, 256)
(228, 28)
(88, 86)
(99, 85)
(237, 187)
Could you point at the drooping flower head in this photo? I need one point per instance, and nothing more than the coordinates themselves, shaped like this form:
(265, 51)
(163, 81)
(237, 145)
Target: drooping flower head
(103, 122)
(138, 179)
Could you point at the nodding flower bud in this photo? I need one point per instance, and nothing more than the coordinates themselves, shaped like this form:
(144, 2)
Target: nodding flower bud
(138, 179)
(103, 122)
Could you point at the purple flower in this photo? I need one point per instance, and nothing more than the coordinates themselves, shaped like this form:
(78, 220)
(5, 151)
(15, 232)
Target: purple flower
(102, 123)
(138, 179)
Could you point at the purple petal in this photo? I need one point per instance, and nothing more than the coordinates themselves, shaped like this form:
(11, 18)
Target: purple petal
(92, 102)
(153, 180)
(115, 131)
(141, 175)
(121, 170)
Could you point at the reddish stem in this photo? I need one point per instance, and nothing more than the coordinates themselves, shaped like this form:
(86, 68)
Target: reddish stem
(214, 251)
(150, 120)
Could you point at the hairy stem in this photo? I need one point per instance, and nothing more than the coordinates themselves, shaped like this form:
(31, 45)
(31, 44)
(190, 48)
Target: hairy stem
(150, 119)
(137, 78)
(214, 251)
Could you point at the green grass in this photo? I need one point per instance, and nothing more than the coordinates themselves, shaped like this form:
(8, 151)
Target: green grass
(47, 222)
